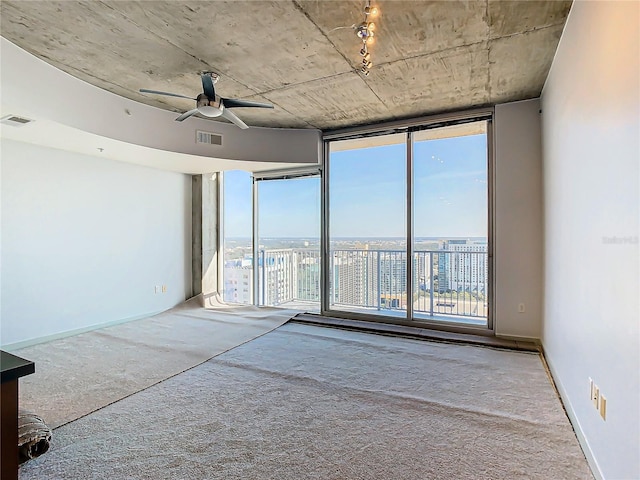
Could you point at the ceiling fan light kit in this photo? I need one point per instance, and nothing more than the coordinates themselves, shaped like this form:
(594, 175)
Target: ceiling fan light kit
(211, 105)
(365, 31)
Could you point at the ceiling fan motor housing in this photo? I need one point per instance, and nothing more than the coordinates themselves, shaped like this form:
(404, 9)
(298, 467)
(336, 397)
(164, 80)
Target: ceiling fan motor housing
(209, 107)
(212, 105)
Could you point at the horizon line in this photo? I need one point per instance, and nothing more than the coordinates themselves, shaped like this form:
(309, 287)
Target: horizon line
(456, 237)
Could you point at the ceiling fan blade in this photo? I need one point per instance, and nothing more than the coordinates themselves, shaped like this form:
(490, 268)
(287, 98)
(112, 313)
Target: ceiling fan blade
(144, 90)
(186, 115)
(232, 102)
(232, 117)
(207, 85)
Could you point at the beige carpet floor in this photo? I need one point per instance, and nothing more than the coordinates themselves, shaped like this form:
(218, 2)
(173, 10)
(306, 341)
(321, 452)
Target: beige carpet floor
(308, 402)
(80, 374)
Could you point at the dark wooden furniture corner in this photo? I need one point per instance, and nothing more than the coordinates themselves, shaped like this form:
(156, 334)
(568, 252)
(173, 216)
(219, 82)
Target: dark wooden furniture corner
(11, 369)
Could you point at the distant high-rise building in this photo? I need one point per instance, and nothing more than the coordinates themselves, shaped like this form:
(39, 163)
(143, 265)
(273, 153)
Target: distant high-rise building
(463, 266)
(358, 277)
(307, 274)
(283, 275)
(238, 284)
(350, 277)
(276, 276)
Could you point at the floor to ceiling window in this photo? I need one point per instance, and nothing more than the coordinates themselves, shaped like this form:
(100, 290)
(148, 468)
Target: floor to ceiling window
(271, 239)
(288, 244)
(406, 228)
(421, 194)
(450, 224)
(237, 227)
(367, 225)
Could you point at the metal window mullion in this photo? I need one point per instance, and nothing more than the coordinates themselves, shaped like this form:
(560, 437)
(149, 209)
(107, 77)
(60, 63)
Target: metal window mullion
(262, 277)
(489, 274)
(325, 273)
(254, 234)
(409, 268)
(220, 238)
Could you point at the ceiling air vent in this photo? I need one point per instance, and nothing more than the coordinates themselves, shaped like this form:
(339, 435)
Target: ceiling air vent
(15, 121)
(208, 138)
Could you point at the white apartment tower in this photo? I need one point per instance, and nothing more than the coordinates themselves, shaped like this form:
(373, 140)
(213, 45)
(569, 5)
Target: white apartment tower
(463, 266)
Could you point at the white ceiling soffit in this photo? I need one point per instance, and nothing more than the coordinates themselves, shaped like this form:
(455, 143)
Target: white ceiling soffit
(50, 134)
(73, 115)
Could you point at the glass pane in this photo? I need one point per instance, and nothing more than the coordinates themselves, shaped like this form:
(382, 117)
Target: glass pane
(289, 243)
(450, 224)
(367, 225)
(238, 250)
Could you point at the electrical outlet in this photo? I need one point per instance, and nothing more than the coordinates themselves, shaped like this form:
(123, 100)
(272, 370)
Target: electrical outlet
(599, 401)
(157, 289)
(603, 407)
(164, 289)
(521, 308)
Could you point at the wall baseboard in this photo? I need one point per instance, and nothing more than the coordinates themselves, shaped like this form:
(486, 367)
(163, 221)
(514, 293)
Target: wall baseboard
(519, 338)
(575, 422)
(10, 347)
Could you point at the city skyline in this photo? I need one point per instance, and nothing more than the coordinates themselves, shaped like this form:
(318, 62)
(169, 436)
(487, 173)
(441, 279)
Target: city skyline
(362, 238)
(449, 279)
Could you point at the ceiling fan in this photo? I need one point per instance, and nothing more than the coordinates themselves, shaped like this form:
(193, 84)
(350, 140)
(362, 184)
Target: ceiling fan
(209, 104)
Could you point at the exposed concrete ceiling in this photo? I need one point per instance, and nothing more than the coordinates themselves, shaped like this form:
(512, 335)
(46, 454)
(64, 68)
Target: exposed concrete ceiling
(302, 56)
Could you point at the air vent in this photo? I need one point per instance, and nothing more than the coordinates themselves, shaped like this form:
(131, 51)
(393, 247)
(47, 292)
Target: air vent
(15, 121)
(208, 138)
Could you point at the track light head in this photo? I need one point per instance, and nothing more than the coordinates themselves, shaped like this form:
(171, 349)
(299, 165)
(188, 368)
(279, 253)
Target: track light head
(365, 32)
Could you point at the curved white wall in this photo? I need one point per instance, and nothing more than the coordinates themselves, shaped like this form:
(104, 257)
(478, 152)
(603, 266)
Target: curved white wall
(44, 91)
(85, 241)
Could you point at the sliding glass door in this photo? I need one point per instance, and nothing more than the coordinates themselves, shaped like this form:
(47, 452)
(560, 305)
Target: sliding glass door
(288, 243)
(421, 194)
(406, 227)
(367, 225)
(450, 224)
(271, 240)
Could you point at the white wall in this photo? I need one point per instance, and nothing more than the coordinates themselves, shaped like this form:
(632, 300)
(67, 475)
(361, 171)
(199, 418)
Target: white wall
(591, 153)
(518, 219)
(85, 241)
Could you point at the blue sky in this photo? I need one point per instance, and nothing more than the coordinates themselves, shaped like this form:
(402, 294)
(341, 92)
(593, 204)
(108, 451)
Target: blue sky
(368, 196)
